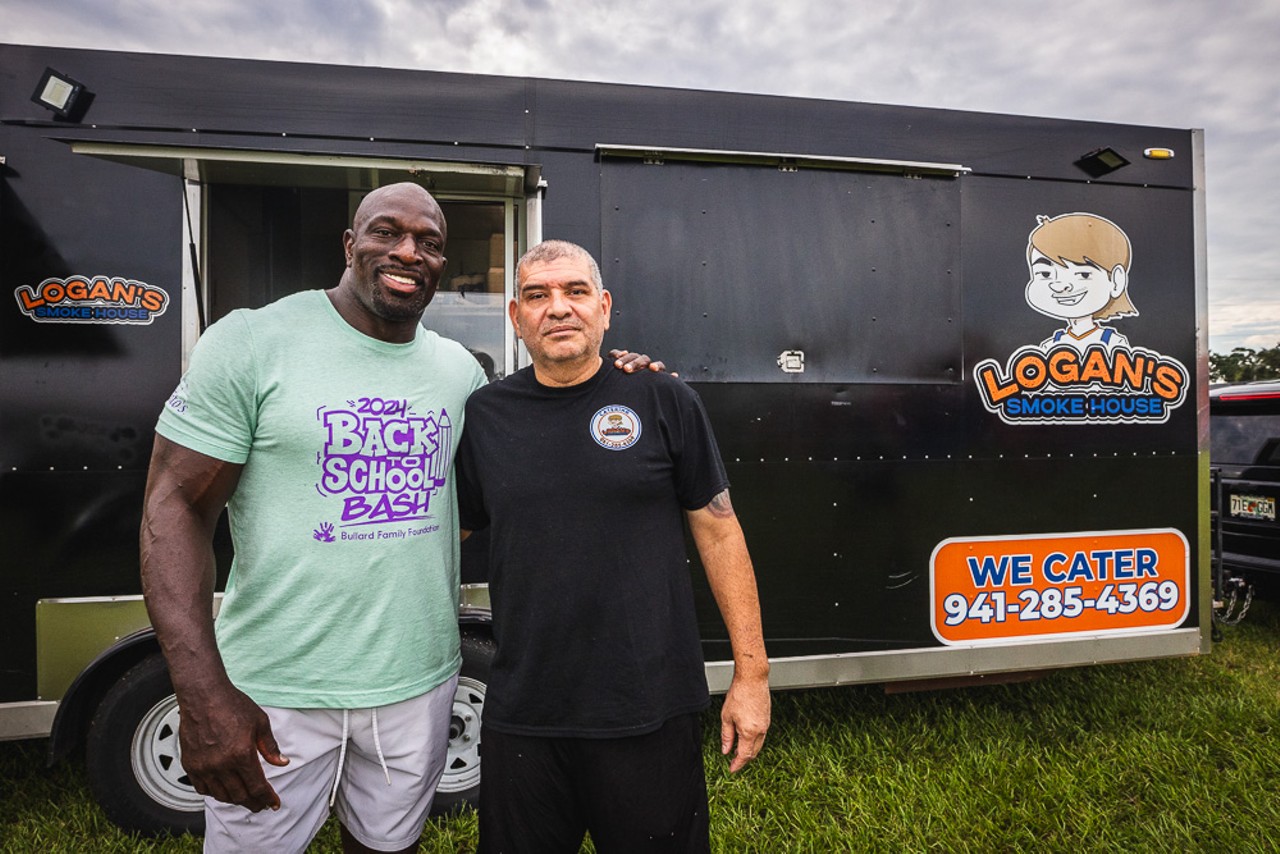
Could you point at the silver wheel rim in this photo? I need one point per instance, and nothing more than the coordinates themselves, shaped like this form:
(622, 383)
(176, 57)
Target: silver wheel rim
(462, 766)
(157, 759)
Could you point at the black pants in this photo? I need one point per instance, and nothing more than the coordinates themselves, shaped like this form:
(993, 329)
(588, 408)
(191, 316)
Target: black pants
(644, 793)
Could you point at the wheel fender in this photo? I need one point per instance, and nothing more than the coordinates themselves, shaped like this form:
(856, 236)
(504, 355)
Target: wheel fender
(75, 710)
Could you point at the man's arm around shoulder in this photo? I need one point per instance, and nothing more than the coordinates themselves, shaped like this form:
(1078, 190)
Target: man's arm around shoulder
(222, 731)
(744, 717)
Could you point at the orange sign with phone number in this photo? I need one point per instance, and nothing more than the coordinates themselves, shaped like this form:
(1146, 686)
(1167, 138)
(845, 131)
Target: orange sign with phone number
(1000, 589)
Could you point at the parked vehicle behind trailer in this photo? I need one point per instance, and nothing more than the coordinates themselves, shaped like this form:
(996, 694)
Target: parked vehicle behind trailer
(950, 358)
(1244, 421)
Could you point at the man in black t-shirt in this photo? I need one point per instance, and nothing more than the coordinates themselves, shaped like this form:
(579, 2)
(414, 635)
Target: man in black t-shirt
(585, 478)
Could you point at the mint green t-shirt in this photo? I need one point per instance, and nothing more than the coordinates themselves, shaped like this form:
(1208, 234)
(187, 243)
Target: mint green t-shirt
(343, 592)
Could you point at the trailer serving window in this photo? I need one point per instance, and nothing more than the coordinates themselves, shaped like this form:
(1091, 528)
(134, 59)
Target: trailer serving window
(269, 224)
(778, 268)
(264, 242)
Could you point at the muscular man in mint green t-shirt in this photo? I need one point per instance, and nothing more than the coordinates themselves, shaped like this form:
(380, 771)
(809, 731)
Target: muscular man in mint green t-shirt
(327, 423)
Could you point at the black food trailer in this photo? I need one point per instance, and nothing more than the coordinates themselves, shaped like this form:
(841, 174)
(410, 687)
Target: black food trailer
(955, 361)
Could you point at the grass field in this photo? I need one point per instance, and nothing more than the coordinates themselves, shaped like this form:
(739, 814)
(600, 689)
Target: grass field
(1176, 755)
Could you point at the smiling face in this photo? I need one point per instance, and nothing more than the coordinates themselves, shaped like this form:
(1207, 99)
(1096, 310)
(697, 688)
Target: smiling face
(561, 316)
(1079, 265)
(395, 256)
(1070, 290)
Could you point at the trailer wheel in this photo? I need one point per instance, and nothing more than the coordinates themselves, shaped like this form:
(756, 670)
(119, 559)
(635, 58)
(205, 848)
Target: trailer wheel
(460, 785)
(133, 758)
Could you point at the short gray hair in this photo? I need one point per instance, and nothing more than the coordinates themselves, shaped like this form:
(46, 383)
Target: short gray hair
(552, 250)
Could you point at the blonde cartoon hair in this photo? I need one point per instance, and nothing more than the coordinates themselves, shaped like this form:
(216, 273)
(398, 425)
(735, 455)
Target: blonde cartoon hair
(1083, 238)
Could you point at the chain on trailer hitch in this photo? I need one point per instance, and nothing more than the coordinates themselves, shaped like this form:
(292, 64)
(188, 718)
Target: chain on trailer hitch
(1224, 610)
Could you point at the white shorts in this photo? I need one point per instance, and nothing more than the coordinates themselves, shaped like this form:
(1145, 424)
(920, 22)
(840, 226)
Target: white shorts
(413, 738)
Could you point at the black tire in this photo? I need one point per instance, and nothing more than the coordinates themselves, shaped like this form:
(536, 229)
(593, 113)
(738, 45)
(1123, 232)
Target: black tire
(460, 786)
(133, 759)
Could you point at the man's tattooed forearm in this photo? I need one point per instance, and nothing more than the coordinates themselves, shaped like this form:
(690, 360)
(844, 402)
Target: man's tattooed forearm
(721, 506)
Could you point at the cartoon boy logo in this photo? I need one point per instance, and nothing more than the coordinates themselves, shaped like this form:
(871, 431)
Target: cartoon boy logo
(1086, 372)
(1079, 265)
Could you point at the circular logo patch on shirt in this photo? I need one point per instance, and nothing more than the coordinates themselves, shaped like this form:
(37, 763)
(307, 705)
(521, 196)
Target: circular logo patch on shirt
(615, 427)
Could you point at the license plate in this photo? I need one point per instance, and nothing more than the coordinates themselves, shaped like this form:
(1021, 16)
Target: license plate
(1253, 507)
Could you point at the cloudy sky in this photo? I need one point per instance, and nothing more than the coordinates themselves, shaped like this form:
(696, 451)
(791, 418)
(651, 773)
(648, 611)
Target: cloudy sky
(1172, 63)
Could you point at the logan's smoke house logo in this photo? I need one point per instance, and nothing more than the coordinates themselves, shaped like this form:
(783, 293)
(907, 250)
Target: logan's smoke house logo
(1085, 372)
(96, 299)
(1064, 386)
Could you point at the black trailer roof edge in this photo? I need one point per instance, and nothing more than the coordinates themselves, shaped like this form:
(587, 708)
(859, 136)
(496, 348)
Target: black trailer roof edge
(1012, 176)
(783, 160)
(248, 134)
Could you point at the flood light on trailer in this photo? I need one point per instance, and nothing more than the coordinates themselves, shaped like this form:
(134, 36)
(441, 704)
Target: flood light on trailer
(59, 93)
(1102, 161)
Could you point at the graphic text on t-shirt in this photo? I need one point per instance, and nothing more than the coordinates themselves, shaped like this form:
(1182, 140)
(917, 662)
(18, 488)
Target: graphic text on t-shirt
(381, 460)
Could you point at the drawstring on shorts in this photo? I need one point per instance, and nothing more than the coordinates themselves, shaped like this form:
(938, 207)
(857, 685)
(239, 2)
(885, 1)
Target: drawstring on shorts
(377, 746)
(342, 755)
(342, 751)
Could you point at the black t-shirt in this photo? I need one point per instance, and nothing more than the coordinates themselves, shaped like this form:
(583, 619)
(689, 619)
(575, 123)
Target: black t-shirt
(584, 489)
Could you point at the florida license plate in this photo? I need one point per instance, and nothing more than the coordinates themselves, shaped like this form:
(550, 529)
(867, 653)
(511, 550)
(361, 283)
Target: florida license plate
(1253, 507)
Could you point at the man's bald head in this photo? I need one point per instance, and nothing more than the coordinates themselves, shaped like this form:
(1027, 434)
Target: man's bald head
(406, 192)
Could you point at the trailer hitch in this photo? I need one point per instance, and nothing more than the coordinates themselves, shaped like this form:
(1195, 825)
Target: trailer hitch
(1224, 609)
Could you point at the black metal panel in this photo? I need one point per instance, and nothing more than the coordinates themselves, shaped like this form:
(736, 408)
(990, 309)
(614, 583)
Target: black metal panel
(274, 98)
(68, 534)
(842, 549)
(85, 395)
(580, 115)
(812, 422)
(285, 101)
(65, 533)
(998, 216)
(78, 402)
(572, 198)
(859, 271)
